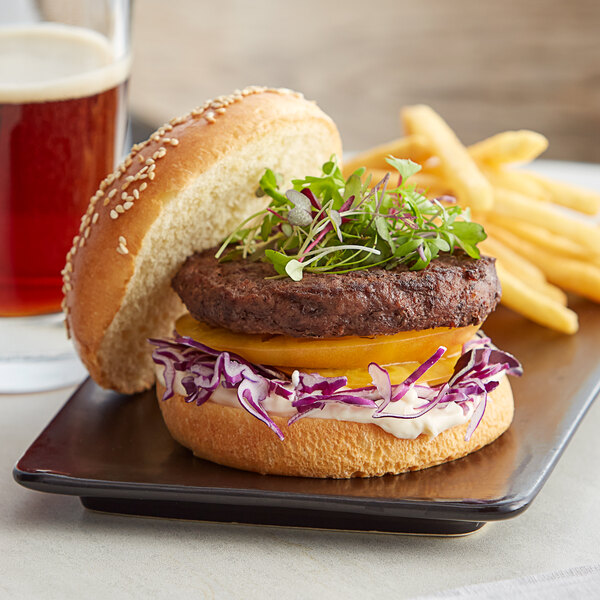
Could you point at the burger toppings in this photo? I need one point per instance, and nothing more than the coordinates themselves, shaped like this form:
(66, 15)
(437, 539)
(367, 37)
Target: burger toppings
(328, 224)
(201, 370)
(341, 301)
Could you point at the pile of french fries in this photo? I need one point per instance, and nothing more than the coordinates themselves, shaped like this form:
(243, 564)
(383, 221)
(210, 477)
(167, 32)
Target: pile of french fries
(541, 251)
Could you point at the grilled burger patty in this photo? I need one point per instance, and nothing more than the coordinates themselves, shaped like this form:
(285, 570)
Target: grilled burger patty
(453, 291)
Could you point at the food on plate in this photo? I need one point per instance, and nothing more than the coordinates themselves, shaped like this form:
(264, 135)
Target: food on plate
(538, 246)
(335, 323)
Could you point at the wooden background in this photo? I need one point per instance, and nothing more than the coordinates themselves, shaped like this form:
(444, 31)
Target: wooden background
(485, 66)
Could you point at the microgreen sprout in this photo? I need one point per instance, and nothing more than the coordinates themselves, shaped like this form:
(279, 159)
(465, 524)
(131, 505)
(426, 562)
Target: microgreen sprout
(328, 224)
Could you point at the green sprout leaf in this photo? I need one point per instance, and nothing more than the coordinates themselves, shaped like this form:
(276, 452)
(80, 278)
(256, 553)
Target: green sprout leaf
(404, 166)
(328, 224)
(294, 269)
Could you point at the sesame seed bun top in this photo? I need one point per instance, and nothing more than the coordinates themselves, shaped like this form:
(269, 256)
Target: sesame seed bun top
(178, 193)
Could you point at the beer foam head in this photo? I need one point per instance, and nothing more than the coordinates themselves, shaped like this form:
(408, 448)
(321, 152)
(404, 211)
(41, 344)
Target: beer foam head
(49, 61)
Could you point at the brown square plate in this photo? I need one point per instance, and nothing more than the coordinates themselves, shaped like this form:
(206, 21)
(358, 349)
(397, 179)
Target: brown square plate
(116, 454)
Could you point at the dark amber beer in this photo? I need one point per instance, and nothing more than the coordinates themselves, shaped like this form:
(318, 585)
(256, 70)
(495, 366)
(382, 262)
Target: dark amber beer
(61, 129)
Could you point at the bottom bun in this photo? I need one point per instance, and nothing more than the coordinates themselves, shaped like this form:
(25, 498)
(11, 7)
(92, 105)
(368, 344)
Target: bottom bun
(323, 447)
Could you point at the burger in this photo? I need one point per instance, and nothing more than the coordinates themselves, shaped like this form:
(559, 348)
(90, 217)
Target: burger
(295, 322)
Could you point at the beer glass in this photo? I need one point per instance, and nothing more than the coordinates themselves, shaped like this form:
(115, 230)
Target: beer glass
(63, 76)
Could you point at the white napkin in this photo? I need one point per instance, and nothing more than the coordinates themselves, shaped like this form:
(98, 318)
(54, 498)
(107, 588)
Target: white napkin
(576, 583)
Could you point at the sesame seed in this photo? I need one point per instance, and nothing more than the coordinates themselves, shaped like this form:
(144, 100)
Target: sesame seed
(161, 152)
(95, 218)
(127, 205)
(142, 176)
(114, 214)
(75, 240)
(122, 249)
(122, 239)
(112, 193)
(221, 110)
(66, 277)
(81, 242)
(106, 201)
(86, 233)
(151, 167)
(144, 169)
(156, 155)
(124, 195)
(149, 161)
(136, 194)
(151, 175)
(119, 209)
(141, 158)
(143, 186)
(174, 142)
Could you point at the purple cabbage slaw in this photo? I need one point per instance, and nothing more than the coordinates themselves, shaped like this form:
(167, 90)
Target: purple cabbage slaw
(204, 369)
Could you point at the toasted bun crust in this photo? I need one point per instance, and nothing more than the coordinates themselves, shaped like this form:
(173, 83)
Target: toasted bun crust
(323, 447)
(178, 193)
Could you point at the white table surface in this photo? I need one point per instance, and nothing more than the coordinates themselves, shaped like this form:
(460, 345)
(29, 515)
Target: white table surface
(51, 547)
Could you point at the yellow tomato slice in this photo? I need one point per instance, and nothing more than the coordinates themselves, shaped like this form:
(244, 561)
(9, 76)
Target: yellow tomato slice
(440, 372)
(328, 353)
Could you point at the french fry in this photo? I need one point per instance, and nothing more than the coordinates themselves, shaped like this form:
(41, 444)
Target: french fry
(428, 184)
(520, 297)
(516, 181)
(509, 147)
(543, 238)
(570, 274)
(431, 185)
(516, 206)
(565, 194)
(413, 146)
(514, 261)
(541, 287)
(459, 169)
(521, 268)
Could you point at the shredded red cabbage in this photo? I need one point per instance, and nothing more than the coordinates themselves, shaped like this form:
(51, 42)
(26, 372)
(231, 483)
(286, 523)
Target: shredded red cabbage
(204, 369)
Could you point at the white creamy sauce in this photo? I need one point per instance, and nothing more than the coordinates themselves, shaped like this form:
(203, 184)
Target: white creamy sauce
(431, 423)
